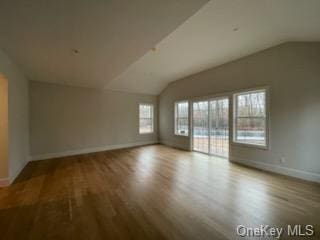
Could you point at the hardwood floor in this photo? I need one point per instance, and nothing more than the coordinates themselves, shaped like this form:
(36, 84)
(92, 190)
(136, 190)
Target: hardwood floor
(152, 192)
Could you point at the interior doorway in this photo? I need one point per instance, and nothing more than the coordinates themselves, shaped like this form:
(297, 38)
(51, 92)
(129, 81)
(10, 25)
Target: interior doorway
(210, 126)
(3, 128)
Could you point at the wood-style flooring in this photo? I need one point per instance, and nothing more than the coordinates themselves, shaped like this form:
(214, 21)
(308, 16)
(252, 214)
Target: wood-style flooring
(151, 192)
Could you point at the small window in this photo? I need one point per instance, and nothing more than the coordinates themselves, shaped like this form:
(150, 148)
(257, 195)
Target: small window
(182, 118)
(145, 118)
(250, 120)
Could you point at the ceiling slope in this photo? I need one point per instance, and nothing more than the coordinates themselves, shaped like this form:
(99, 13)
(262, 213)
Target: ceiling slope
(86, 42)
(222, 31)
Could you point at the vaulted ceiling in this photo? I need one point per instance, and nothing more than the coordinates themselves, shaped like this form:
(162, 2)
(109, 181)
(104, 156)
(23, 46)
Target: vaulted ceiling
(86, 42)
(222, 31)
(143, 46)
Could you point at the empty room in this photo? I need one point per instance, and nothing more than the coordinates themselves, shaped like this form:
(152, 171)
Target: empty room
(155, 119)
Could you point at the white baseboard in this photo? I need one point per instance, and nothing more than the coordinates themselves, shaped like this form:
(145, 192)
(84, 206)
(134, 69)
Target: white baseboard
(88, 150)
(174, 144)
(309, 176)
(5, 182)
(17, 172)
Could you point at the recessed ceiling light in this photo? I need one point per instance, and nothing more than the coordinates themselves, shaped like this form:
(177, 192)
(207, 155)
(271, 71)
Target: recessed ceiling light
(74, 51)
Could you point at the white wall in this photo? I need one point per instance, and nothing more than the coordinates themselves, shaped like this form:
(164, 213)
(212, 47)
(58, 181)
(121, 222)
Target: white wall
(18, 132)
(67, 120)
(292, 72)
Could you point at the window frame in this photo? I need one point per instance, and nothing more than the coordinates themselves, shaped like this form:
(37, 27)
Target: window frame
(152, 118)
(267, 118)
(175, 118)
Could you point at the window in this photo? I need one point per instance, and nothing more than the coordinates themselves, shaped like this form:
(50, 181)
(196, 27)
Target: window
(145, 118)
(250, 120)
(182, 118)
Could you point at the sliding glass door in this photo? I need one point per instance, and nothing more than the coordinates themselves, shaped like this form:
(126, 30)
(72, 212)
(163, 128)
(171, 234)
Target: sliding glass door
(219, 127)
(200, 126)
(211, 126)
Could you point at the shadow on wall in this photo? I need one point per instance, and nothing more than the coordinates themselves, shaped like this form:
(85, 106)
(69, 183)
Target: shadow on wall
(3, 127)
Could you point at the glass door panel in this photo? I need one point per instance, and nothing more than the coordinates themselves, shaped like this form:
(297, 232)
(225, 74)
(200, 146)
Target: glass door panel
(201, 126)
(219, 127)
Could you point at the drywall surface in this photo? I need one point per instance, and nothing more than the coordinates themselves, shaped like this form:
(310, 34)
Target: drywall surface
(292, 73)
(68, 120)
(18, 132)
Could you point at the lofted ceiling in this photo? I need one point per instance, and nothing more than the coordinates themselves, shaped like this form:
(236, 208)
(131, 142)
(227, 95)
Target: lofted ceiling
(220, 32)
(141, 47)
(86, 42)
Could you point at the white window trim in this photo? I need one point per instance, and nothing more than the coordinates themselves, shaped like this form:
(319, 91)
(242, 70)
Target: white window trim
(235, 111)
(175, 118)
(152, 108)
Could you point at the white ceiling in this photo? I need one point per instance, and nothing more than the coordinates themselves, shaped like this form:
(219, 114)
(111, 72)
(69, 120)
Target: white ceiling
(109, 35)
(208, 39)
(114, 37)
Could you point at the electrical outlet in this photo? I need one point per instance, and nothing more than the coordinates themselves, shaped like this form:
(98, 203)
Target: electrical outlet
(282, 159)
